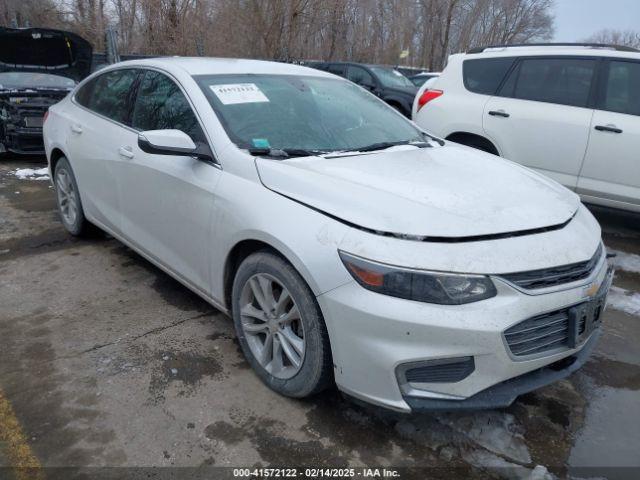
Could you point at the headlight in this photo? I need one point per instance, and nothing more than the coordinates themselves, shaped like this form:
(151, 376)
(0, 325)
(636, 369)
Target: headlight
(421, 286)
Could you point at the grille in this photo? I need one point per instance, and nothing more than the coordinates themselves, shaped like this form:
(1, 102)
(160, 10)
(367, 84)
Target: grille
(550, 277)
(32, 122)
(539, 334)
(441, 371)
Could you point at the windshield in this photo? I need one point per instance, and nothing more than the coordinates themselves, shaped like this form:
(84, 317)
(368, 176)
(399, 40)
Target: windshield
(34, 80)
(290, 112)
(391, 78)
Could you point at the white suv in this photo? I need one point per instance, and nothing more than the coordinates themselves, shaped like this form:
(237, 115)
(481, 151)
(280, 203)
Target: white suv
(571, 112)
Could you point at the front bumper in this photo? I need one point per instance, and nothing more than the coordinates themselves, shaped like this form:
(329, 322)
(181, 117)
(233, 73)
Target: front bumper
(503, 394)
(373, 335)
(23, 141)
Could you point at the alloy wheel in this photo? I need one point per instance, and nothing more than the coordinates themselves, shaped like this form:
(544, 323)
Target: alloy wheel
(272, 325)
(66, 197)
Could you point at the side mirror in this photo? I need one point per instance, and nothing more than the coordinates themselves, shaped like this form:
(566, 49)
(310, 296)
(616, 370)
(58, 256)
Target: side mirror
(166, 142)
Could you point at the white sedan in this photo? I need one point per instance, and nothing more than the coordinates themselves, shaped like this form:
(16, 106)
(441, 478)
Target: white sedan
(349, 246)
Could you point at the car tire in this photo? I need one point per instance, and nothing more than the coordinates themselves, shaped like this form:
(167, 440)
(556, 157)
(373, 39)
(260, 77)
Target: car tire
(298, 363)
(68, 200)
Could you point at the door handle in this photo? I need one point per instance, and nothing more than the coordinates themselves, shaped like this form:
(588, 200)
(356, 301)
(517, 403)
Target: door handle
(75, 128)
(608, 128)
(126, 152)
(498, 113)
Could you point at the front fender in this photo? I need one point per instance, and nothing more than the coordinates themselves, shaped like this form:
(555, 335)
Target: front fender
(306, 238)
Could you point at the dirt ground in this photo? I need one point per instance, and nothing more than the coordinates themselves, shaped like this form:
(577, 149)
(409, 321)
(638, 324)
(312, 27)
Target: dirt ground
(105, 361)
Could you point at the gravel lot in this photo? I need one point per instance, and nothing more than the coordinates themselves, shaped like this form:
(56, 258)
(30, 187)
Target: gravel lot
(107, 361)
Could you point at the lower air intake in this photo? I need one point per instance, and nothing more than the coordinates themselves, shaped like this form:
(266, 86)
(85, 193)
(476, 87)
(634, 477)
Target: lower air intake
(447, 370)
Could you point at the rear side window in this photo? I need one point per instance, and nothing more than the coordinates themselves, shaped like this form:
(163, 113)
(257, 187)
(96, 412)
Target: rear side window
(622, 89)
(160, 105)
(565, 81)
(484, 75)
(110, 94)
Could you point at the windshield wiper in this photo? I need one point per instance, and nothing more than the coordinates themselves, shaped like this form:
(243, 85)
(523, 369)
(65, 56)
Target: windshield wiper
(382, 145)
(283, 152)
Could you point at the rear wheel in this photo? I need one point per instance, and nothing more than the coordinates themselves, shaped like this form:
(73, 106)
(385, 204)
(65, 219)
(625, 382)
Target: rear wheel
(280, 327)
(68, 197)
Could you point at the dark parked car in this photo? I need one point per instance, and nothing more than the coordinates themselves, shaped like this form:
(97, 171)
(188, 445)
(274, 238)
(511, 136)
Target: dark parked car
(385, 82)
(38, 68)
(420, 79)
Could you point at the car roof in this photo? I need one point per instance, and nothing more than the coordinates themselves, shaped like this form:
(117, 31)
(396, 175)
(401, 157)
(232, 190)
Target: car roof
(369, 65)
(215, 66)
(553, 50)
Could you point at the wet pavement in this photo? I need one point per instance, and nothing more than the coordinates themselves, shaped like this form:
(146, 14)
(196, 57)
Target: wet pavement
(105, 361)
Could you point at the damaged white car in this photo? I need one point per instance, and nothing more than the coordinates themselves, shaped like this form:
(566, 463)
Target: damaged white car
(38, 68)
(348, 245)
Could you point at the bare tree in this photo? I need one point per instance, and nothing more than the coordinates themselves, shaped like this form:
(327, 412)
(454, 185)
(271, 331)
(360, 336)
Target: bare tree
(375, 31)
(627, 38)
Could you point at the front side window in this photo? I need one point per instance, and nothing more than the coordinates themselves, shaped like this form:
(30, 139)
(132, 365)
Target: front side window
(360, 76)
(109, 94)
(336, 69)
(484, 75)
(390, 77)
(302, 112)
(160, 104)
(622, 90)
(565, 81)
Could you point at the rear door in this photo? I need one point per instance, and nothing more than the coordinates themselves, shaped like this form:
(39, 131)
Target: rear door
(542, 113)
(98, 122)
(167, 200)
(611, 171)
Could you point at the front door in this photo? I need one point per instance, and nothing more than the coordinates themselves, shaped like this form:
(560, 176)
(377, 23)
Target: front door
(166, 200)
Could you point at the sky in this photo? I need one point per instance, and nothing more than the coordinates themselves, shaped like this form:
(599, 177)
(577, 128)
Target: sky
(578, 19)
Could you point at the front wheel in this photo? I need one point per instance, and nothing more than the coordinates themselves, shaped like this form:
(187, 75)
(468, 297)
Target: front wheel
(280, 327)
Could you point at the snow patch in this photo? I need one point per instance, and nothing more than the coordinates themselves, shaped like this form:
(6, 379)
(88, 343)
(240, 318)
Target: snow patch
(32, 173)
(624, 300)
(495, 431)
(628, 262)
(502, 468)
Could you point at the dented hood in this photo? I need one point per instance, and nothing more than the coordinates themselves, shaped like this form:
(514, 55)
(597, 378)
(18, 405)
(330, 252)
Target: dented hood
(449, 192)
(45, 51)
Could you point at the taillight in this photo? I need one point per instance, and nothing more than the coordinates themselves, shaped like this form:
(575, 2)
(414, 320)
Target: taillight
(427, 96)
(46, 114)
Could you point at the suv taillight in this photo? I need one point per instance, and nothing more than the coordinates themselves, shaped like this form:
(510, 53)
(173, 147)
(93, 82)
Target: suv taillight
(427, 96)
(46, 114)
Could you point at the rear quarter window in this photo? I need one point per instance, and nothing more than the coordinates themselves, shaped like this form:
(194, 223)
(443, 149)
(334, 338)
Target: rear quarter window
(83, 94)
(484, 75)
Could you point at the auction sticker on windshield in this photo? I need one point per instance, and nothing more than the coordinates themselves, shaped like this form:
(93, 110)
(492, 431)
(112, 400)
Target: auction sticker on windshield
(233, 93)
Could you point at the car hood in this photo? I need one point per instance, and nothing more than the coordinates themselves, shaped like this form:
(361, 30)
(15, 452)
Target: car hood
(408, 91)
(45, 51)
(448, 193)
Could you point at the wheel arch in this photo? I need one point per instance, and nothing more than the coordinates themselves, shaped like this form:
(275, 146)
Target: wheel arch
(474, 140)
(247, 246)
(54, 158)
